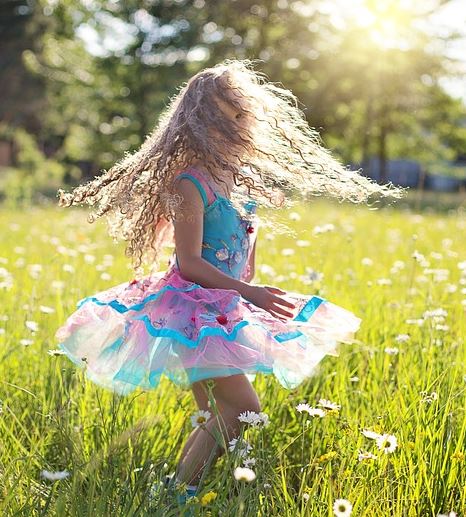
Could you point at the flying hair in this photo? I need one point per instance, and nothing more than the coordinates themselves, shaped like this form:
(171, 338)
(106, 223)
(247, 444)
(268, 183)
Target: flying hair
(268, 149)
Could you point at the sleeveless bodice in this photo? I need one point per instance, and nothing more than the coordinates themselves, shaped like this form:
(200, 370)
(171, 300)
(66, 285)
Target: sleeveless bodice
(228, 238)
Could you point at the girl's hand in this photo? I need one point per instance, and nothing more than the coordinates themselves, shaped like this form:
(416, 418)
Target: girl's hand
(266, 298)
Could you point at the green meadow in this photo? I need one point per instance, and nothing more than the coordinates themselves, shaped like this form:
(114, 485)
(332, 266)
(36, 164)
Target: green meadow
(401, 268)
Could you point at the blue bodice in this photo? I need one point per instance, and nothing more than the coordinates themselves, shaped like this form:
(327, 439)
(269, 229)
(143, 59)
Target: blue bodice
(228, 237)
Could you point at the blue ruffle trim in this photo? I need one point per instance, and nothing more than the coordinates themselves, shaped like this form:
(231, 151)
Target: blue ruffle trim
(304, 315)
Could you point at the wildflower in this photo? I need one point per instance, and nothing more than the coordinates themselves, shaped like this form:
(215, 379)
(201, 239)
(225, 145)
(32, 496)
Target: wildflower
(354, 379)
(384, 281)
(327, 404)
(428, 398)
(323, 229)
(306, 496)
(244, 447)
(450, 514)
(342, 508)
(253, 418)
(458, 456)
(294, 216)
(26, 342)
(248, 462)
(57, 351)
(415, 321)
(267, 485)
(391, 350)
(46, 310)
(32, 326)
(208, 498)
(386, 443)
(303, 243)
(366, 261)
(366, 456)
(313, 275)
(286, 252)
(370, 434)
(311, 410)
(326, 457)
(200, 417)
(402, 338)
(54, 476)
(244, 474)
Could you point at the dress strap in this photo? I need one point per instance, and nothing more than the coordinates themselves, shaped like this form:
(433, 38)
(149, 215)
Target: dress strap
(196, 182)
(207, 193)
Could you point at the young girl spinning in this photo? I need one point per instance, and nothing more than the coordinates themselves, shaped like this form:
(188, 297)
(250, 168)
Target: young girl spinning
(226, 143)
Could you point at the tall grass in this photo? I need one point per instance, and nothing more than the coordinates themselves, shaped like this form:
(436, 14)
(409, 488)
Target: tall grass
(115, 447)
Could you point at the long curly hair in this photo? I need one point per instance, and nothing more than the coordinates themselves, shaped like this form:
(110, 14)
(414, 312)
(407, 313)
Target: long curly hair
(240, 127)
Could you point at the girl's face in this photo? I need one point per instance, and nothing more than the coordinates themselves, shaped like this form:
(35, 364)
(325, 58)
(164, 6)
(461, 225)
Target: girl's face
(241, 117)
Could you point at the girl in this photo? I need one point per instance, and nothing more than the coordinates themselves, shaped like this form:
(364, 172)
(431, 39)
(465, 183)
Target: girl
(222, 146)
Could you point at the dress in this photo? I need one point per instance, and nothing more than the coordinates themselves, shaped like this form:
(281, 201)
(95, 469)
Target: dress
(131, 334)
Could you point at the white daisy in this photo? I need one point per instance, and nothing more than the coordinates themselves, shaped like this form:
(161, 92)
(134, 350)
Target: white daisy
(303, 407)
(243, 448)
(244, 474)
(386, 443)
(401, 338)
(26, 342)
(327, 404)
(54, 476)
(391, 350)
(370, 434)
(46, 310)
(32, 326)
(366, 456)
(200, 417)
(57, 351)
(342, 508)
(249, 462)
(253, 418)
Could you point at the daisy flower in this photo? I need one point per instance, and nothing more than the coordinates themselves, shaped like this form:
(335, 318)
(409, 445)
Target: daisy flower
(253, 418)
(313, 411)
(54, 476)
(366, 456)
(386, 443)
(370, 434)
(243, 449)
(200, 417)
(327, 404)
(342, 508)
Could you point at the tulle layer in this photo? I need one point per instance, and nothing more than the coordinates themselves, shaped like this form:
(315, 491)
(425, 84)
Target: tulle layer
(130, 335)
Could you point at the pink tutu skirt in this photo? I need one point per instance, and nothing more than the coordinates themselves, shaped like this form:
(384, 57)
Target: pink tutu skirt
(130, 335)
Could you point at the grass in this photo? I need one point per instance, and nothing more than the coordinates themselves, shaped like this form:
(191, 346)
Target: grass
(114, 447)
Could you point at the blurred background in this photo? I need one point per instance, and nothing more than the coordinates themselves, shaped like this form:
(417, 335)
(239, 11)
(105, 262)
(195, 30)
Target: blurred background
(83, 81)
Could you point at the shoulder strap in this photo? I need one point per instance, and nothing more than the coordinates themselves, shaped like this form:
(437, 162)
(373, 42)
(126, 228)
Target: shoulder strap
(202, 184)
(198, 184)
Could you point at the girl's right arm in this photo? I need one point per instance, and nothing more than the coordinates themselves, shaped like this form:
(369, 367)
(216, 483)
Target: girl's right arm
(188, 233)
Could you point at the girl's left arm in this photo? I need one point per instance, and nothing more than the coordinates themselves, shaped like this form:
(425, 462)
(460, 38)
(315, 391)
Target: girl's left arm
(251, 264)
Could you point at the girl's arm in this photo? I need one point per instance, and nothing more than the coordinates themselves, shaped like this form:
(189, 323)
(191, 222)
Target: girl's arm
(188, 233)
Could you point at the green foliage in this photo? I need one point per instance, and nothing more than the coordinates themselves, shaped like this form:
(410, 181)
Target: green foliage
(115, 447)
(34, 173)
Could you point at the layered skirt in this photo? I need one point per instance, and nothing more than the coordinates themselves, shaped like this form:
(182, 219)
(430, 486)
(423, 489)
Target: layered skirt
(129, 335)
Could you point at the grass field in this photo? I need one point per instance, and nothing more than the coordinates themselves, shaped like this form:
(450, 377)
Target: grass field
(402, 272)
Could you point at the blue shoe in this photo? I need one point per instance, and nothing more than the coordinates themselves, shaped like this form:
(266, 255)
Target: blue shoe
(182, 499)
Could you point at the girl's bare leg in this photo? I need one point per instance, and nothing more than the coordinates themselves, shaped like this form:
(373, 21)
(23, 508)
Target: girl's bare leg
(202, 402)
(233, 395)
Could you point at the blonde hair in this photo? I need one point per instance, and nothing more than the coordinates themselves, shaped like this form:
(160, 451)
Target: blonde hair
(277, 150)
